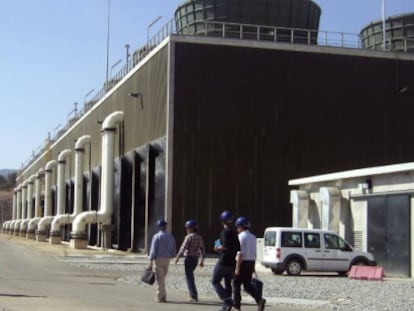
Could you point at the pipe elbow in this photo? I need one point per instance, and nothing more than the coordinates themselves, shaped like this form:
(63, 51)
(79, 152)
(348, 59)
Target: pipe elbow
(80, 221)
(63, 155)
(50, 165)
(111, 120)
(33, 224)
(44, 222)
(31, 179)
(58, 221)
(24, 223)
(82, 141)
(40, 172)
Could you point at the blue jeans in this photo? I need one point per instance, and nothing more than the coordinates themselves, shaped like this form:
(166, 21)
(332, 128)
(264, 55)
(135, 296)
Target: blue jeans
(190, 263)
(222, 272)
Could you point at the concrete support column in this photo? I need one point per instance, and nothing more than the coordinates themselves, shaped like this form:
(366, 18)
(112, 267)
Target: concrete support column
(331, 208)
(300, 208)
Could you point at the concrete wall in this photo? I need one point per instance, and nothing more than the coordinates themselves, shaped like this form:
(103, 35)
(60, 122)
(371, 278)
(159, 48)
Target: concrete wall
(145, 119)
(355, 199)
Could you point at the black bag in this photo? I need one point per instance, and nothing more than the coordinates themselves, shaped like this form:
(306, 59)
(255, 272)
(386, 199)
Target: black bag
(257, 285)
(148, 276)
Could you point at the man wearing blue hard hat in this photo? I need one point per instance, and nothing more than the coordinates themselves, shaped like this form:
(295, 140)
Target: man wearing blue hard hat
(227, 247)
(162, 249)
(245, 265)
(193, 249)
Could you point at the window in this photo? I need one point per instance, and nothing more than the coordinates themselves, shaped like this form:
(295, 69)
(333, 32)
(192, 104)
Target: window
(312, 240)
(270, 238)
(291, 239)
(331, 241)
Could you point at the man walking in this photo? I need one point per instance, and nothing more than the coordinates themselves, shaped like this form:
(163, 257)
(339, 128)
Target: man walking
(227, 247)
(192, 248)
(245, 265)
(162, 249)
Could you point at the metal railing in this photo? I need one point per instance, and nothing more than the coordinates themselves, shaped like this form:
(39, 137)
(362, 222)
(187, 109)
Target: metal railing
(271, 33)
(219, 30)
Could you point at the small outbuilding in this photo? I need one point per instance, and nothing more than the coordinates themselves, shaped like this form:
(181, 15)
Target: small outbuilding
(373, 208)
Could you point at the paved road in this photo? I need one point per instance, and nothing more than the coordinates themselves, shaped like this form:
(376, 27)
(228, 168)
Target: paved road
(32, 278)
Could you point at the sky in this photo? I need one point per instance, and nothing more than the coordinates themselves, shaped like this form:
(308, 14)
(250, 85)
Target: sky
(54, 52)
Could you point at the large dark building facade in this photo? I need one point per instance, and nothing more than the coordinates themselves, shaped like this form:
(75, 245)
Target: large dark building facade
(218, 114)
(223, 124)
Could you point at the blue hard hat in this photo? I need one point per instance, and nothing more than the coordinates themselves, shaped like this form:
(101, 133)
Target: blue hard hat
(243, 221)
(226, 217)
(161, 223)
(190, 223)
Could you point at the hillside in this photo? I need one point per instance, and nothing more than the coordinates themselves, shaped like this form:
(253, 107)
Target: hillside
(6, 171)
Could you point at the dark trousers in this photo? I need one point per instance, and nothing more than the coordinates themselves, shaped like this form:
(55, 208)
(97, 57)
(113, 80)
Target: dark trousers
(222, 272)
(190, 263)
(245, 278)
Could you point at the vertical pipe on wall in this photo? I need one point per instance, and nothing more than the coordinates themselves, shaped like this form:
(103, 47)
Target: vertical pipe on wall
(24, 208)
(37, 208)
(46, 220)
(25, 222)
(61, 187)
(103, 216)
(13, 227)
(78, 195)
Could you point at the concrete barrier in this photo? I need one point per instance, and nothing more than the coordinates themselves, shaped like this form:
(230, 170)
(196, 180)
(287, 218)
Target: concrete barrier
(366, 273)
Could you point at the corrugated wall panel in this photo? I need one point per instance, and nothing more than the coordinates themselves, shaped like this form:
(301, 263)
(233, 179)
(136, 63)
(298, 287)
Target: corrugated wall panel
(247, 120)
(145, 119)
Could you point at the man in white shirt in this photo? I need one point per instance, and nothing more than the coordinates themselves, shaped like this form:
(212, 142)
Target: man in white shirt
(245, 266)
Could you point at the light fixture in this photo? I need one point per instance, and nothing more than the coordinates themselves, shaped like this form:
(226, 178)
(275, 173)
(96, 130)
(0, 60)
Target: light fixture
(136, 95)
(403, 89)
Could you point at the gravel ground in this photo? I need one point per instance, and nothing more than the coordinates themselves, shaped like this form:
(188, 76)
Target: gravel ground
(312, 291)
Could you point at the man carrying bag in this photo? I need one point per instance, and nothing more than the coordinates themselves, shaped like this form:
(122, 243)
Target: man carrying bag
(245, 267)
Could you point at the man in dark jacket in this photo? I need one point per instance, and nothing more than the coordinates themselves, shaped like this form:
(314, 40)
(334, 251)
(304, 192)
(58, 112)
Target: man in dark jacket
(227, 247)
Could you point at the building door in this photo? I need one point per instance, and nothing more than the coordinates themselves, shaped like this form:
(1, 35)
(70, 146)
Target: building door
(389, 233)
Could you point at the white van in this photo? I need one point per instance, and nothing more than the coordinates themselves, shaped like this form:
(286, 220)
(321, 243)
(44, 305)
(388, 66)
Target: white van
(296, 249)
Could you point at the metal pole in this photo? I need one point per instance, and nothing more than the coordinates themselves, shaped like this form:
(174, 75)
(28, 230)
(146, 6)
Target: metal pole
(107, 44)
(383, 25)
(127, 57)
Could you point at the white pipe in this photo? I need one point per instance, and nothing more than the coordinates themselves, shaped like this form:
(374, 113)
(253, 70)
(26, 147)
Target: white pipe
(60, 220)
(25, 222)
(24, 200)
(33, 223)
(105, 211)
(46, 220)
(61, 187)
(18, 209)
(23, 204)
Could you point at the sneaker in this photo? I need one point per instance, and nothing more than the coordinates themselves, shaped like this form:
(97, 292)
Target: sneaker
(192, 299)
(226, 308)
(261, 304)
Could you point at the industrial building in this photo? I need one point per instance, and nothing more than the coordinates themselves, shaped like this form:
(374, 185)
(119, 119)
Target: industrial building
(217, 114)
(372, 207)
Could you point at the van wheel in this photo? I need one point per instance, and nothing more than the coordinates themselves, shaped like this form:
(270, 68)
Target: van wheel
(294, 267)
(277, 271)
(360, 262)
